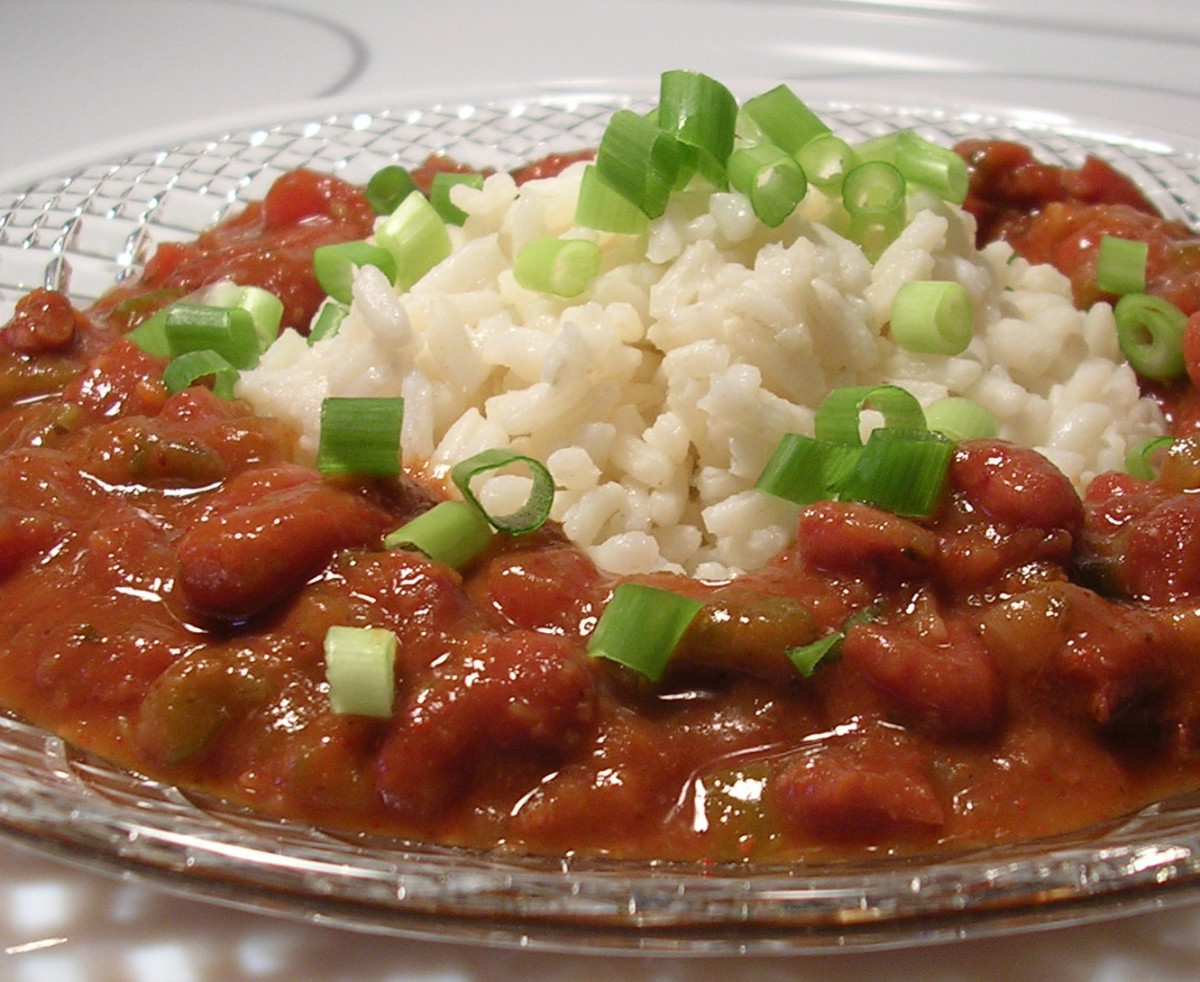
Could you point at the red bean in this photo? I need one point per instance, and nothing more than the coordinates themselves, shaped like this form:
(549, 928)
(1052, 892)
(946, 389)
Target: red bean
(949, 687)
(267, 532)
(1016, 486)
(521, 696)
(859, 540)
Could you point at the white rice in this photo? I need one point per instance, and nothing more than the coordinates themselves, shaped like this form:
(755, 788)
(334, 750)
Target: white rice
(656, 397)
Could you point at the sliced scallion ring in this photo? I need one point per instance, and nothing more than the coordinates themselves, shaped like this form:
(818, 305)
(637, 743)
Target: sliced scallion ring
(1150, 332)
(335, 266)
(803, 470)
(960, 419)
(192, 367)
(826, 160)
(772, 180)
(387, 187)
(562, 267)
(439, 194)
(808, 658)
(641, 626)
(329, 318)
(533, 514)
(639, 161)
(416, 236)
(360, 436)
(784, 119)
(360, 668)
(699, 112)
(1140, 460)
(229, 331)
(600, 206)
(451, 532)
(838, 416)
(932, 317)
(1121, 265)
(900, 471)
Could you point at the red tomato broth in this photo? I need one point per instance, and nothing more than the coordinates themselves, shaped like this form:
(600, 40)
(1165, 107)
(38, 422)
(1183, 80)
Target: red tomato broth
(991, 695)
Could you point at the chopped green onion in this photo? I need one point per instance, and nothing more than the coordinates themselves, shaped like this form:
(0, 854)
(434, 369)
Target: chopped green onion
(229, 331)
(416, 237)
(439, 194)
(699, 112)
(784, 119)
(960, 419)
(451, 532)
(772, 180)
(921, 162)
(388, 187)
(562, 267)
(360, 667)
(533, 514)
(641, 627)
(803, 470)
(1138, 461)
(837, 418)
(901, 471)
(1150, 332)
(809, 657)
(192, 367)
(602, 207)
(327, 321)
(827, 159)
(360, 436)
(932, 317)
(874, 195)
(639, 161)
(264, 308)
(1121, 265)
(336, 265)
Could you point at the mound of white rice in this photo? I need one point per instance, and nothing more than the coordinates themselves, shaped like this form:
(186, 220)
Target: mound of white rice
(656, 397)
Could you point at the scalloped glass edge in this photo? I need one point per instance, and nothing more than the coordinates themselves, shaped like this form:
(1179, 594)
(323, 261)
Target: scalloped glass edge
(86, 228)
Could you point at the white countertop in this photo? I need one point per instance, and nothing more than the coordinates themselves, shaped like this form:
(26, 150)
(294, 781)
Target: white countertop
(85, 74)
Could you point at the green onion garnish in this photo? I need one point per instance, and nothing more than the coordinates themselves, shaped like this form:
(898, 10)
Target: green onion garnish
(837, 418)
(1150, 332)
(874, 195)
(921, 162)
(639, 161)
(451, 532)
(827, 159)
(901, 471)
(932, 317)
(360, 436)
(562, 267)
(602, 207)
(960, 419)
(264, 308)
(803, 470)
(360, 667)
(1139, 461)
(701, 113)
(772, 180)
(388, 187)
(808, 658)
(1121, 265)
(192, 367)
(329, 318)
(533, 514)
(416, 237)
(784, 119)
(641, 627)
(439, 194)
(229, 331)
(335, 266)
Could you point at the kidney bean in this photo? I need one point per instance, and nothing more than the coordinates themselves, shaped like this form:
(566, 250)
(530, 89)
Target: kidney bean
(862, 541)
(267, 532)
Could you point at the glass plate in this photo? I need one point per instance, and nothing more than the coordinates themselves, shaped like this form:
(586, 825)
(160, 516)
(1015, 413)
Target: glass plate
(84, 230)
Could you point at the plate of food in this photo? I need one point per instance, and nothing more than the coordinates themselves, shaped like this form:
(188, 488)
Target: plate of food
(662, 519)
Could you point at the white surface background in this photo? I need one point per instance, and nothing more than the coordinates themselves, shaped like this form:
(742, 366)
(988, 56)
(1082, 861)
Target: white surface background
(77, 74)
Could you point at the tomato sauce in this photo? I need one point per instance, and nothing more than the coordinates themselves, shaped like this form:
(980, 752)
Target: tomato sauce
(1023, 663)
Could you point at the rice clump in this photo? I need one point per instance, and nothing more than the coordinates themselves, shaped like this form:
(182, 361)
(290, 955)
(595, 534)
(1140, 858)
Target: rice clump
(656, 397)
